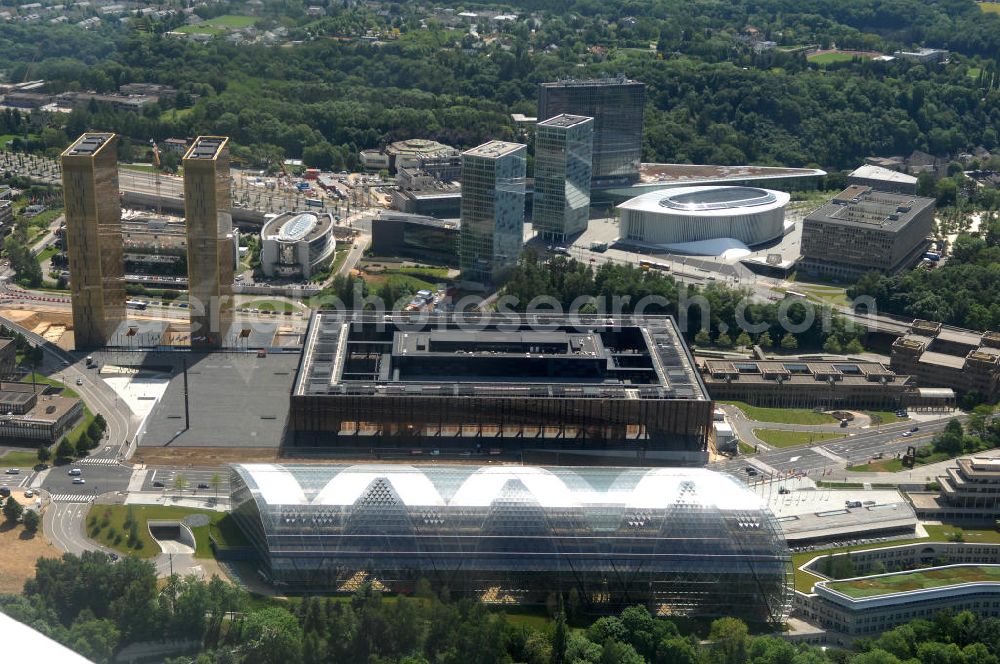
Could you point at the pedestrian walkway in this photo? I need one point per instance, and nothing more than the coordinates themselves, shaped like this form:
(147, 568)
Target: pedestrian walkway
(98, 461)
(70, 498)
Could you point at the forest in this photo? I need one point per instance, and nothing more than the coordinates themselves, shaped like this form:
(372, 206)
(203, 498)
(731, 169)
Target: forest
(710, 99)
(97, 606)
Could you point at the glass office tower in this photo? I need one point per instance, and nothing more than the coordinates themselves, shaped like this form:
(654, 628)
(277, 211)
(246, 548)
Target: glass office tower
(563, 152)
(210, 246)
(94, 238)
(492, 231)
(617, 105)
(684, 542)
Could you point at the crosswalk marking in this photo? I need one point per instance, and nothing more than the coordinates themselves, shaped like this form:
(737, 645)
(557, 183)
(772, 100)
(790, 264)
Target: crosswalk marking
(89, 461)
(70, 498)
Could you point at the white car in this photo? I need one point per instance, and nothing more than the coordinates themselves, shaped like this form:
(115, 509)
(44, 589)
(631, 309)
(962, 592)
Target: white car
(907, 434)
(79, 381)
(79, 480)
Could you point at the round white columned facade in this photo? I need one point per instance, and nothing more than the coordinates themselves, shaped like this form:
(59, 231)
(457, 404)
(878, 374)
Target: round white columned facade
(690, 214)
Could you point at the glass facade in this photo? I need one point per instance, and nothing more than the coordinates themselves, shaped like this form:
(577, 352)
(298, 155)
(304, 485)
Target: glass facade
(563, 153)
(210, 246)
(685, 542)
(94, 242)
(617, 106)
(493, 192)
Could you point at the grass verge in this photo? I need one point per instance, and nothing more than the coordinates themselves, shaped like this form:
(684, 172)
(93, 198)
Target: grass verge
(779, 438)
(783, 415)
(20, 459)
(880, 466)
(106, 524)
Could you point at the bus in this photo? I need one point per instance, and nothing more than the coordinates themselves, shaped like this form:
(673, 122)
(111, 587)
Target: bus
(136, 304)
(650, 265)
(314, 202)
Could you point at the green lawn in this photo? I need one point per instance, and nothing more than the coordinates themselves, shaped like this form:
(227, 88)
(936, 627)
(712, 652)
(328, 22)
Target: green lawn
(804, 580)
(880, 466)
(886, 416)
(106, 524)
(991, 7)
(746, 449)
(783, 415)
(779, 438)
(945, 532)
(827, 58)
(973, 72)
(20, 459)
(47, 253)
(915, 580)
(219, 24)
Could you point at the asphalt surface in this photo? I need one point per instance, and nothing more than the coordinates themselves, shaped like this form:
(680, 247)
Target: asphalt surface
(192, 478)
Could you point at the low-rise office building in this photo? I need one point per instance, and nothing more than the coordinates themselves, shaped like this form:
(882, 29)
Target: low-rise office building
(420, 238)
(969, 490)
(862, 230)
(29, 416)
(883, 179)
(806, 384)
(868, 606)
(963, 360)
(297, 244)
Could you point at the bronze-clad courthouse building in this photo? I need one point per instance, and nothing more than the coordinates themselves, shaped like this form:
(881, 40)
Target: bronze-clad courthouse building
(607, 389)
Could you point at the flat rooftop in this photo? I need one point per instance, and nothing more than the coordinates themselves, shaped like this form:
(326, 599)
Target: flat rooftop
(494, 149)
(862, 207)
(206, 147)
(88, 145)
(298, 226)
(872, 172)
(903, 582)
(808, 515)
(591, 82)
(235, 399)
(352, 352)
(565, 120)
(694, 174)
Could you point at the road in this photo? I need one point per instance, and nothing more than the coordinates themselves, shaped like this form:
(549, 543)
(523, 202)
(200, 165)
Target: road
(833, 456)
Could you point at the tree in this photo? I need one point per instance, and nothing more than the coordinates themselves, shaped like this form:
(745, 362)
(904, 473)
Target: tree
(832, 345)
(102, 424)
(31, 520)
(675, 650)
(765, 340)
(272, 636)
(216, 481)
(180, 482)
(723, 340)
(789, 342)
(854, 346)
(12, 510)
(83, 444)
(559, 636)
(703, 338)
(44, 453)
(65, 449)
(729, 637)
(743, 340)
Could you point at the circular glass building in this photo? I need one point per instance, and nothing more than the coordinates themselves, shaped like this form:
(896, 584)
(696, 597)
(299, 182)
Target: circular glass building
(687, 542)
(692, 214)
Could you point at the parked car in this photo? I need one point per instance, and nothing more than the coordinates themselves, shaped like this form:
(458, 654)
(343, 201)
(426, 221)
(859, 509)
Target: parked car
(28, 493)
(202, 485)
(158, 484)
(751, 470)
